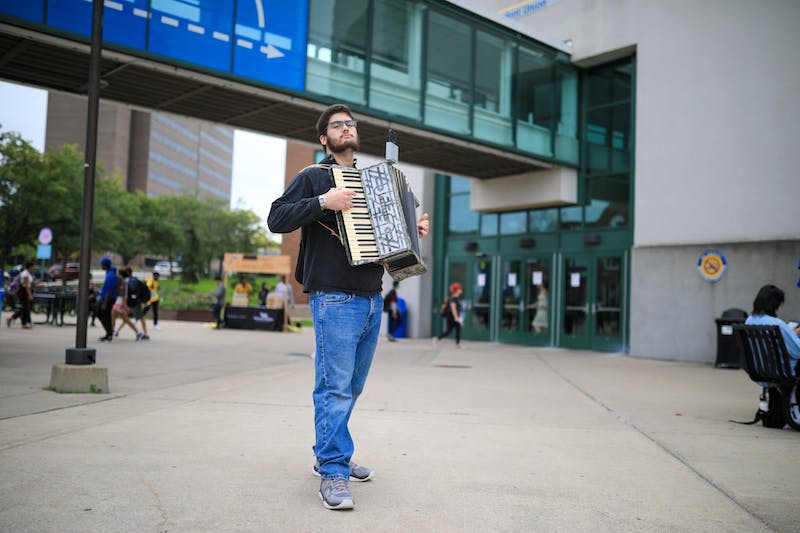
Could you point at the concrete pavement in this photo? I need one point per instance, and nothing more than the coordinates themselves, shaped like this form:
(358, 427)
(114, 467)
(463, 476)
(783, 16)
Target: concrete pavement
(207, 430)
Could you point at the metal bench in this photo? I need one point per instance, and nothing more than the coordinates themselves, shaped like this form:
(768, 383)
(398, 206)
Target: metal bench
(765, 359)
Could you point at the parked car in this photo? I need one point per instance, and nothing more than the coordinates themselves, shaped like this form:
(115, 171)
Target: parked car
(69, 272)
(164, 270)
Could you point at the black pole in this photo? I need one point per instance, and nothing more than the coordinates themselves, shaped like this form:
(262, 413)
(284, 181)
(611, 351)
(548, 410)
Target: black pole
(81, 355)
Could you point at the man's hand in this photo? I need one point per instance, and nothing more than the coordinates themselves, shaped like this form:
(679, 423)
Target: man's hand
(339, 199)
(423, 226)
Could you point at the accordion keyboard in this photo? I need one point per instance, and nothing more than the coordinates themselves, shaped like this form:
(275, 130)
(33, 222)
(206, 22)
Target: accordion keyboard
(356, 220)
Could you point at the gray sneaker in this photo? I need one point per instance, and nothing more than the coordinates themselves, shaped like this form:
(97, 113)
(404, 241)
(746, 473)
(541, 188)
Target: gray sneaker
(357, 473)
(335, 494)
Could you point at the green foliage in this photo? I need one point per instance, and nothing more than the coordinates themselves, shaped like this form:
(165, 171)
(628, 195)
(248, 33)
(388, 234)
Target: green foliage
(174, 294)
(46, 190)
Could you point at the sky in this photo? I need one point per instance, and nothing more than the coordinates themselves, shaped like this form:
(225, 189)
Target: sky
(258, 160)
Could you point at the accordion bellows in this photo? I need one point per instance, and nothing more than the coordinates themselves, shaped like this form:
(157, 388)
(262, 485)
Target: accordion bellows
(381, 227)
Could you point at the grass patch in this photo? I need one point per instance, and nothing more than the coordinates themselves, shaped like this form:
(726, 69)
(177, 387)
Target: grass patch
(176, 295)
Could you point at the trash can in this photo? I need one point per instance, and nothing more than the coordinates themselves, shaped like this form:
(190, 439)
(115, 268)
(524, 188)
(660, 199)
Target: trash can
(400, 333)
(727, 350)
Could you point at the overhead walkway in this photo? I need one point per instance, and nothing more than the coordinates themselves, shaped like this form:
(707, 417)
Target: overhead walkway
(60, 64)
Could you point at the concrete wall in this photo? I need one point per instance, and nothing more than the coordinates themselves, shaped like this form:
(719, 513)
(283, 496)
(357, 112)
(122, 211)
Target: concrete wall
(66, 124)
(717, 113)
(716, 163)
(673, 308)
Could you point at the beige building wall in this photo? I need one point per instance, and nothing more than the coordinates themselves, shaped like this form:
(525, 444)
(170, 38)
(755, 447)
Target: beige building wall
(66, 124)
(153, 152)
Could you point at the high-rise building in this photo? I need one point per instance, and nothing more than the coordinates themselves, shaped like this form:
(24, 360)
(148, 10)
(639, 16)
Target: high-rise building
(154, 153)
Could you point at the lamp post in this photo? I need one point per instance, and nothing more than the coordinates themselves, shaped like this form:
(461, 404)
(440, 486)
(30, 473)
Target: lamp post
(81, 355)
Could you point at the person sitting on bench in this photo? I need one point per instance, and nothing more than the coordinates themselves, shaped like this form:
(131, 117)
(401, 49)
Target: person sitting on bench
(765, 310)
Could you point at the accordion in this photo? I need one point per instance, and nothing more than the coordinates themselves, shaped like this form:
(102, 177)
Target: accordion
(381, 227)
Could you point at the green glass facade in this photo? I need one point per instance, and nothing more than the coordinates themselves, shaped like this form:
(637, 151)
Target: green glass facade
(430, 64)
(568, 265)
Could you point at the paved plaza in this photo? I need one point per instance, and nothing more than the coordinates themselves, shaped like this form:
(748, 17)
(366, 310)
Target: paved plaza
(211, 431)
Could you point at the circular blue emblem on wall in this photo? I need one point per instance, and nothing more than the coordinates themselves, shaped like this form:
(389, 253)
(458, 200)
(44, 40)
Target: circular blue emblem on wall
(711, 265)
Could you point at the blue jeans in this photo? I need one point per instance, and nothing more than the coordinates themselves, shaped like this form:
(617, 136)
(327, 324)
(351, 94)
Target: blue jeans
(216, 310)
(346, 329)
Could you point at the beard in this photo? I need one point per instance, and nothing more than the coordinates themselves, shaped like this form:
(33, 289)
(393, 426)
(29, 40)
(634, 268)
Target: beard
(340, 146)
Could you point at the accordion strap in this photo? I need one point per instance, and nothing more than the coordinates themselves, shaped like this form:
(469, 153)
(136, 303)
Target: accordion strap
(326, 167)
(332, 232)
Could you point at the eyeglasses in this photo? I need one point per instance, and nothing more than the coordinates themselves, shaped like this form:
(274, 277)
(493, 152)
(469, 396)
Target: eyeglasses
(338, 124)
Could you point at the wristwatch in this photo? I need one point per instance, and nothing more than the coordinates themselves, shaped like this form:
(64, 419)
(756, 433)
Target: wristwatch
(321, 200)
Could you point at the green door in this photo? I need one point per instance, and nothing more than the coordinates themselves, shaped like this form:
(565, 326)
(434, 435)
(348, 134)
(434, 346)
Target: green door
(593, 314)
(524, 300)
(475, 276)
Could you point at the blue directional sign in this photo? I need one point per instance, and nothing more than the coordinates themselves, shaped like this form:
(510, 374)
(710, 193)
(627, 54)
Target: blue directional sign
(193, 31)
(263, 40)
(32, 10)
(124, 21)
(271, 42)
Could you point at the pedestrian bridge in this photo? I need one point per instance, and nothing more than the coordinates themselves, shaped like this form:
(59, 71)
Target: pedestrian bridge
(175, 56)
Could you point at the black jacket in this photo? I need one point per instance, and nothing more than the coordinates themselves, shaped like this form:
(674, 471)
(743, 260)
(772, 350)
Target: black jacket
(324, 260)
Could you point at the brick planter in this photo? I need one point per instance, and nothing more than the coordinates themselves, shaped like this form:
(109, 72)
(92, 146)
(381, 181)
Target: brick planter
(188, 315)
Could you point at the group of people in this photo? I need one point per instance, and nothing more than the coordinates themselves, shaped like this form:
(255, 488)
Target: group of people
(124, 297)
(281, 292)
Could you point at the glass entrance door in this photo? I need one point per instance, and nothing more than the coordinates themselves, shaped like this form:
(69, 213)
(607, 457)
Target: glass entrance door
(593, 311)
(475, 276)
(525, 300)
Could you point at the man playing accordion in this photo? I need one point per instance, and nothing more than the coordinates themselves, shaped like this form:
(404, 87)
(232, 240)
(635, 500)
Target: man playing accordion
(345, 301)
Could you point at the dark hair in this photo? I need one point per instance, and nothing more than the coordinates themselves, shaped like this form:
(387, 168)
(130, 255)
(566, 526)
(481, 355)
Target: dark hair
(322, 123)
(29, 264)
(768, 300)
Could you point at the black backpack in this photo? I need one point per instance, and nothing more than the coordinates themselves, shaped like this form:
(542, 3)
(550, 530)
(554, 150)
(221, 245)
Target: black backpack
(138, 291)
(770, 411)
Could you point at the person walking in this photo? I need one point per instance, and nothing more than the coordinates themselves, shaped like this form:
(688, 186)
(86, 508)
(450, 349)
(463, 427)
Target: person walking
(24, 296)
(541, 321)
(392, 311)
(453, 314)
(136, 293)
(219, 302)
(121, 307)
(152, 284)
(345, 302)
(92, 300)
(108, 295)
(262, 295)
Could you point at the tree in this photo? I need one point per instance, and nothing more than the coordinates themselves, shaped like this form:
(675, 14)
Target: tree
(21, 177)
(61, 201)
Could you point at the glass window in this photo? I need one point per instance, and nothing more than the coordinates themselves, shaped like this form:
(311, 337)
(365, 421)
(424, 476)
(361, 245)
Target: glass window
(396, 69)
(536, 102)
(489, 225)
(458, 184)
(513, 223)
(567, 146)
(609, 202)
(542, 220)
(598, 140)
(337, 42)
(571, 217)
(492, 100)
(449, 62)
(462, 220)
